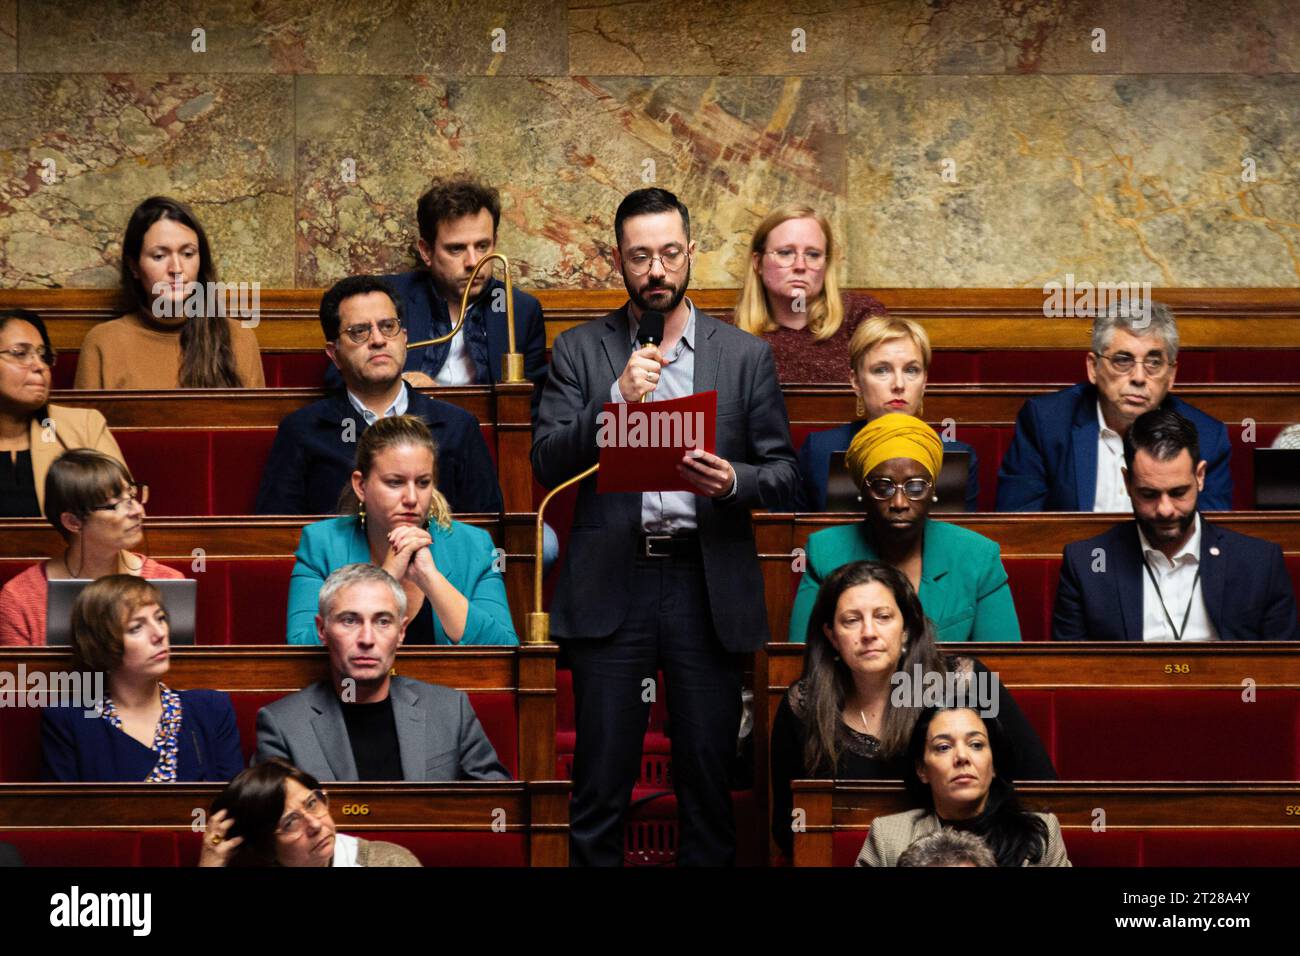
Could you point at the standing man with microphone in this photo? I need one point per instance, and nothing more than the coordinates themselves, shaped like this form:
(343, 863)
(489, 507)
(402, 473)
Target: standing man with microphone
(661, 579)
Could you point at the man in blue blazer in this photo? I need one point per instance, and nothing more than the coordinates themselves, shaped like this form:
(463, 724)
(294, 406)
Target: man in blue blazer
(314, 453)
(1068, 447)
(1169, 574)
(458, 221)
(362, 723)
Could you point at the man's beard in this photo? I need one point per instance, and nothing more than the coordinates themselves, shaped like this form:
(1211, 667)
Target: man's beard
(645, 305)
(1157, 535)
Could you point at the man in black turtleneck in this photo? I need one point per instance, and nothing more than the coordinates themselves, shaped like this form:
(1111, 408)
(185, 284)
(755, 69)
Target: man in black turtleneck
(363, 723)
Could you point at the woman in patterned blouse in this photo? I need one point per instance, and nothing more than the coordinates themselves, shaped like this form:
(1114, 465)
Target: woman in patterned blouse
(140, 729)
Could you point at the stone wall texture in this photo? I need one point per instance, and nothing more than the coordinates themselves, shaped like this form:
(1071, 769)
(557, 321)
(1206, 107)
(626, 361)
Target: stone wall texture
(971, 143)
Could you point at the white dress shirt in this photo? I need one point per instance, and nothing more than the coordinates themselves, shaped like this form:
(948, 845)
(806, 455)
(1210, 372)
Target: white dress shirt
(1176, 579)
(345, 850)
(398, 407)
(1112, 496)
(459, 369)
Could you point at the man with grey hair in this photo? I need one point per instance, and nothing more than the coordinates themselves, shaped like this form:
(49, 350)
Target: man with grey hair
(363, 723)
(948, 847)
(1068, 449)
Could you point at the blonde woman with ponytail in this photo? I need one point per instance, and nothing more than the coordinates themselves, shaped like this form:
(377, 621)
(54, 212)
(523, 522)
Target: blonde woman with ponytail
(394, 516)
(791, 296)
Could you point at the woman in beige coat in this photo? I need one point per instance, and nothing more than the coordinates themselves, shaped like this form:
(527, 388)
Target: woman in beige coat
(952, 753)
(33, 433)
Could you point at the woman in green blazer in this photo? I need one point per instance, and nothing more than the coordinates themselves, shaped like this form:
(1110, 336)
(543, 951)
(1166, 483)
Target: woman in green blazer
(455, 593)
(958, 574)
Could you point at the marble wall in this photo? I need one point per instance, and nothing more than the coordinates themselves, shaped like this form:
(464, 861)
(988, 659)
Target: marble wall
(972, 143)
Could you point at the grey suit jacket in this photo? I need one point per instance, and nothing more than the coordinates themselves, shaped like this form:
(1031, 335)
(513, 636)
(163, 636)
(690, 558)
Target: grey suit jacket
(891, 835)
(438, 734)
(753, 434)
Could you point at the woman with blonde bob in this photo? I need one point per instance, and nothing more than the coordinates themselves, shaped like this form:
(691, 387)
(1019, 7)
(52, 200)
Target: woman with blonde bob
(395, 517)
(791, 296)
(888, 362)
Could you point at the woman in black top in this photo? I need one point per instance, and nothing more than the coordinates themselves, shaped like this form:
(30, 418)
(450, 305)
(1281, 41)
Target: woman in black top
(851, 715)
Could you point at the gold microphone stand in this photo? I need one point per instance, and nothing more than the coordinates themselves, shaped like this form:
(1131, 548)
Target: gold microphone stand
(512, 363)
(539, 621)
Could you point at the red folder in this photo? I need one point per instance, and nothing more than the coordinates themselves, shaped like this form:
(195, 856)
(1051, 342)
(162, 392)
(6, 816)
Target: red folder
(642, 444)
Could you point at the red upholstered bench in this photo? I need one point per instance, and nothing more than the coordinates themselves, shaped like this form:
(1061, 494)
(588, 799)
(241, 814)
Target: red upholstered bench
(58, 847)
(1164, 734)
(1033, 584)
(20, 744)
(1187, 847)
(280, 369)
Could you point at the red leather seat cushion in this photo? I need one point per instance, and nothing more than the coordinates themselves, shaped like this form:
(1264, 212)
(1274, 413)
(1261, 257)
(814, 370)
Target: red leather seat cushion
(1169, 734)
(20, 744)
(846, 845)
(81, 847)
(1033, 588)
(1103, 848)
(1277, 847)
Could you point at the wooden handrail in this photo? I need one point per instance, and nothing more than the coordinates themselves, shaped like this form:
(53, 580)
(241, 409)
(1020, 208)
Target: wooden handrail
(955, 318)
(538, 809)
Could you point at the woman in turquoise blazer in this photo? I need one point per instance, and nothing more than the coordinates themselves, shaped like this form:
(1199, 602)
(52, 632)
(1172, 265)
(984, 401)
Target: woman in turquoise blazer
(455, 593)
(958, 574)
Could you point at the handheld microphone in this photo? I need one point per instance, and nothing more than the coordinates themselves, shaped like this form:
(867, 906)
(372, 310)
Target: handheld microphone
(650, 331)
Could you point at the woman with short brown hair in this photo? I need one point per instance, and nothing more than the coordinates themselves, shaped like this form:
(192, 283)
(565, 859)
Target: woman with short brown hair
(140, 730)
(97, 508)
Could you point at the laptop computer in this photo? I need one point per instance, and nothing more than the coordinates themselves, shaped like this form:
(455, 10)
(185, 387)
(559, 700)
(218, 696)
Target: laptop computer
(1277, 478)
(180, 597)
(843, 495)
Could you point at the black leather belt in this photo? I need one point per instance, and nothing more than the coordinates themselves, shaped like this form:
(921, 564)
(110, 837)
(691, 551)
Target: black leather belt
(668, 545)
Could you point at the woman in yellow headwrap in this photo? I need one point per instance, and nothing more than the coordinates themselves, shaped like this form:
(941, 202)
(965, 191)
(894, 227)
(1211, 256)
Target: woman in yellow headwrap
(958, 574)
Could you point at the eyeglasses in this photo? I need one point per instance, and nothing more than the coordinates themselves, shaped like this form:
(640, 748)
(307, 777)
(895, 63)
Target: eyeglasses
(388, 328)
(639, 263)
(813, 258)
(122, 505)
(316, 806)
(30, 355)
(1123, 362)
(882, 489)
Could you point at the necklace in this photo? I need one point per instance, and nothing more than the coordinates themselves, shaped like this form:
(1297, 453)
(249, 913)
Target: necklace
(117, 564)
